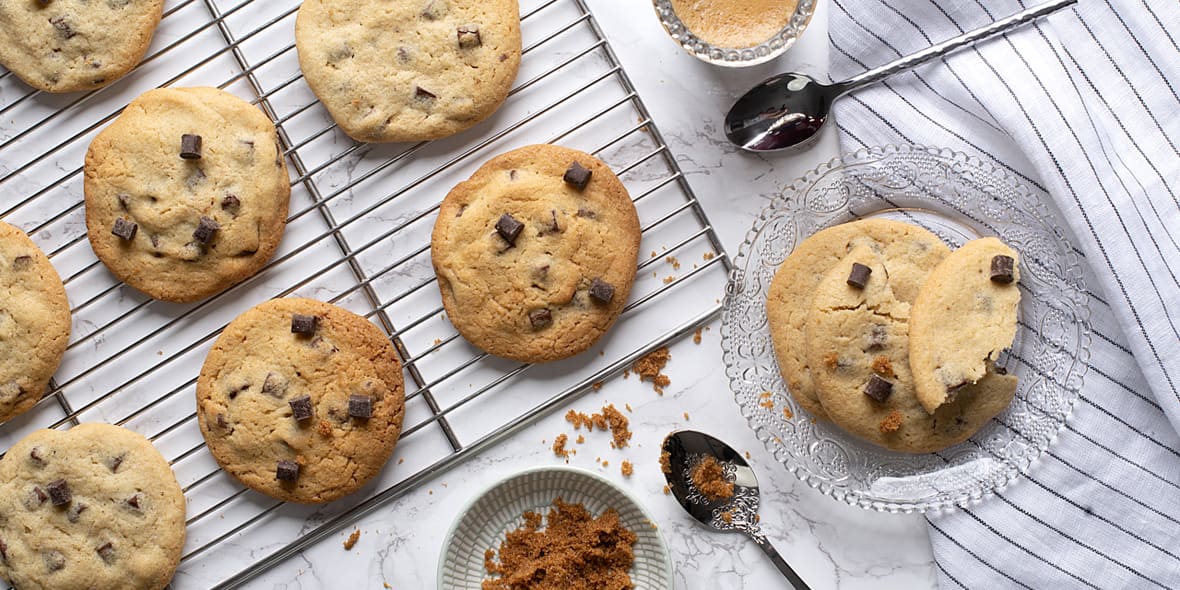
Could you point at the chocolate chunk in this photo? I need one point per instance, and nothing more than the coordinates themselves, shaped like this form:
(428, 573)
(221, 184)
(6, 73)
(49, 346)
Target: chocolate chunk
(469, 36)
(36, 498)
(36, 458)
(360, 406)
(540, 318)
(133, 501)
(553, 225)
(54, 560)
(588, 214)
(287, 470)
(23, 262)
(205, 230)
(301, 408)
(1003, 268)
(859, 275)
(114, 462)
(274, 385)
(107, 552)
(512, 174)
(423, 94)
(59, 492)
(75, 511)
(230, 203)
(304, 324)
(125, 229)
(577, 176)
(601, 291)
(63, 27)
(190, 146)
(508, 228)
(878, 388)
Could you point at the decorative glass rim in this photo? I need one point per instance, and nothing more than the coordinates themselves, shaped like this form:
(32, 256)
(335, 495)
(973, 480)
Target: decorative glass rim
(735, 57)
(826, 458)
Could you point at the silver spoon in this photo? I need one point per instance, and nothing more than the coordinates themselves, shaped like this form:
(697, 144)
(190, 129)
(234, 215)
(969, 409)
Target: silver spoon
(788, 110)
(685, 449)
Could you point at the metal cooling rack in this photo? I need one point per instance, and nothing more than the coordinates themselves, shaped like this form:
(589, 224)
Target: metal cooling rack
(358, 236)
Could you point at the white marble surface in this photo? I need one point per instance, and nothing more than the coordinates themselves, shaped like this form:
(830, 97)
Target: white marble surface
(830, 544)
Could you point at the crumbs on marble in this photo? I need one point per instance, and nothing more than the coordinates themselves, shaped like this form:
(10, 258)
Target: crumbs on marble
(686, 416)
(648, 367)
(673, 261)
(709, 255)
(581, 439)
(350, 542)
(627, 469)
(559, 447)
(696, 336)
(596, 385)
(401, 460)
(667, 489)
(668, 280)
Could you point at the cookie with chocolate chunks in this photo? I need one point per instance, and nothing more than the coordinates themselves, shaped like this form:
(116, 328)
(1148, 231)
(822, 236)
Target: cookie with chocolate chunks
(963, 318)
(301, 416)
(34, 322)
(550, 282)
(95, 506)
(408, 70)
(73, 45)
(186, 193)
(858, 347)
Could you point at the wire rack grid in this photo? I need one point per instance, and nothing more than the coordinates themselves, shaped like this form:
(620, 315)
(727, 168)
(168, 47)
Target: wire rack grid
(358, 236)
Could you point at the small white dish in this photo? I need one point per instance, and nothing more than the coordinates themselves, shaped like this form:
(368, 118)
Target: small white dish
(485, 521)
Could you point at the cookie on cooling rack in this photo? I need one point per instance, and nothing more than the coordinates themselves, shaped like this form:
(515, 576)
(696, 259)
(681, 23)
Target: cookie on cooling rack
(912, 252)
(70, 45)
(963, 317)
(408, 70)
(536, 253)
(186, 193)
(34, 322)
(93, 507)
(858, 350)
(301, 400)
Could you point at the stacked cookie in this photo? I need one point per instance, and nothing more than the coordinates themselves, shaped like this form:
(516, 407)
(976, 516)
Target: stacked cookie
(880, 328)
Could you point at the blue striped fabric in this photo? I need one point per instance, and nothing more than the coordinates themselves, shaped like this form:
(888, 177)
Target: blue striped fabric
(1085, 106)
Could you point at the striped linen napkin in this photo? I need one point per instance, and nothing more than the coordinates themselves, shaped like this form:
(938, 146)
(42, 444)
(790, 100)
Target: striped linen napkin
(1085, 106)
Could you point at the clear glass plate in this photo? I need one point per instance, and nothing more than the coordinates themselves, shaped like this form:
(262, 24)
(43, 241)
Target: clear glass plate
(958, 198)
(735, 56)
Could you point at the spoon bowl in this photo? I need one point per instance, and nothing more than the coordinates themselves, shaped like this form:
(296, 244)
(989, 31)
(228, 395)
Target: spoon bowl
(684, 451)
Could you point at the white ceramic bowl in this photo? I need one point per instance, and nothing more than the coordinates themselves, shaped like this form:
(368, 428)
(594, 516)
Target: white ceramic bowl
(484, 523)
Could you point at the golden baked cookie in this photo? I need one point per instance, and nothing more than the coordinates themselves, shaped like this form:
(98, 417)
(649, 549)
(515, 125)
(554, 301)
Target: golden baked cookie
(94, 507)
(301, 400)
(963, 317)
(408, 70)
(70, 45)
(858, 350)
(34, 322)
(911, 250)
(186, 193)
(536, 253)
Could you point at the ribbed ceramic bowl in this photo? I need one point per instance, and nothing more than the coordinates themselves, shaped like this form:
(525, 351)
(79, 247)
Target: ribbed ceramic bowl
(735, 56)
(485, 522)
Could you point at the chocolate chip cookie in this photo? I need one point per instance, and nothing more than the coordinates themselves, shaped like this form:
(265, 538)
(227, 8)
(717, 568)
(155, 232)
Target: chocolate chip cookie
(93, 507)
(34, 322)
(858, 349)
(70, 45)
(408, 70)
(535, 254)
(186, 193)
(910, 251)
(301, 400)
(963, 317)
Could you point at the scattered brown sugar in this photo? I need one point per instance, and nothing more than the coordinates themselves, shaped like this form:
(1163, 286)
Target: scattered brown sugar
(666, 462)
(610, 419)
(654, 254)
(696, 337)
(787, 413)
(667, 489)
(437, 341)
(606, 463)
(883, 367)
(350, 542)
(672, 260)
(892, 422)
(597, 385)
(581, 439)
(727, 516)
(628, 406)
(747, 454)
(686, 416)
(831, 360)
(559, 447)
(575, 551)
(709, 478)
(765, 399)
(627, 469)
(649, 366)
(708, 256)
(668, 280)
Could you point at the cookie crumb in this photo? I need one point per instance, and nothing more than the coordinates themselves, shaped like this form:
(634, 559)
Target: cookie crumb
(628, 406)
(649, 366)
(437, 341)
(668, 280)
(892, 422)
(401, 460)
(610, 419)
(350, 542)
(597, 385)
(559, 446)
(672, 260)
(627, 469)
(709, 256)
(686, 416)
(709, 478)
(574, 551)
(667, 489)
(765, 399)
(883, 367)
(606, 463)
(747, 454)
(727, 516)
(581, 439)
(654, 254)
(666, 462)
(787, 413)
(696, 337)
